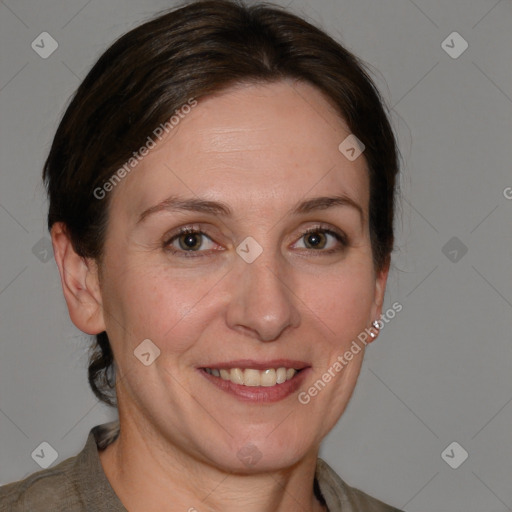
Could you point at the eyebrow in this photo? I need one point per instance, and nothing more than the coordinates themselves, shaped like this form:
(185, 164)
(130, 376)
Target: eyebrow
(177, 204)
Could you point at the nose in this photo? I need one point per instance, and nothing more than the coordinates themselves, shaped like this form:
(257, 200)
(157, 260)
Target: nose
(263, 303)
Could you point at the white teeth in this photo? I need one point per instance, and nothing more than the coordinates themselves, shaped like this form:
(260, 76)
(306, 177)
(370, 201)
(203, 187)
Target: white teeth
(252, 377)
(268, 378)
(281, 375)
(290, 372)
(237, 376)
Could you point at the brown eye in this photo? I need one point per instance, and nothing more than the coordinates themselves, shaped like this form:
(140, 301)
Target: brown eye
(315, 240)
(322, 240)
(188, 241)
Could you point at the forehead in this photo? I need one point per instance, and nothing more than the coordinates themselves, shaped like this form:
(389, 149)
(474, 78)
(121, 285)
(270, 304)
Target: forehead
(256, 147)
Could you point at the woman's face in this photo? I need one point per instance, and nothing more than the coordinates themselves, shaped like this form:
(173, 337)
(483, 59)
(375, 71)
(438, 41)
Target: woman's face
(263, 154)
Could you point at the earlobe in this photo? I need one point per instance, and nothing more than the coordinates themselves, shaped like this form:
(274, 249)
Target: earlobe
(80, 283)
(380, 290)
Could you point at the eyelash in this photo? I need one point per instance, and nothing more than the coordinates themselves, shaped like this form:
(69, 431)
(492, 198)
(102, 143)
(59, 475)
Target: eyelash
(340, 237)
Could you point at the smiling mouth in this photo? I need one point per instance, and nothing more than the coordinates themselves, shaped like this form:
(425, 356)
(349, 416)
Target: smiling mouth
(252, 378)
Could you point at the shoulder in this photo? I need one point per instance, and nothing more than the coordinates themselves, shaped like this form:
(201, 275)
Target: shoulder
(47, 490)
(340, 496)
(76, 484)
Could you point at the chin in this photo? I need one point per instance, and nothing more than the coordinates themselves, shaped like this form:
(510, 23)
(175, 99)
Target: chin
(266, 452)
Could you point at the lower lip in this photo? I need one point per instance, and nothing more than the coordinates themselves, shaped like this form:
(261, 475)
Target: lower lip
(259, 394)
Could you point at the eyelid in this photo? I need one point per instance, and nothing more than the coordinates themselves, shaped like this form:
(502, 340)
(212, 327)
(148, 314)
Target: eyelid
(183, 230)
(340, 236)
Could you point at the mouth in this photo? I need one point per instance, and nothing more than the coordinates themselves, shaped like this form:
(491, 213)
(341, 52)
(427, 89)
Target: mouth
(257, 381)
(252, 377)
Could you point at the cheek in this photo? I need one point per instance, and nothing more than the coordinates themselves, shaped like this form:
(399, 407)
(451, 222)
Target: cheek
(342, 301)
(166, 306)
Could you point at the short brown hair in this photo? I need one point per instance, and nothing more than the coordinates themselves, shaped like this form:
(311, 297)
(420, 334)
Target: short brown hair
(192, 51)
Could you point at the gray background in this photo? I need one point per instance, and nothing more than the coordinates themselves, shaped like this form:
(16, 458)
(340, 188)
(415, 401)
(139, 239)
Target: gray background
(440, 371)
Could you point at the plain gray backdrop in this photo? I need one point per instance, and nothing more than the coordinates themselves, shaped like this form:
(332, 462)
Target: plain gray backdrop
(439, 373)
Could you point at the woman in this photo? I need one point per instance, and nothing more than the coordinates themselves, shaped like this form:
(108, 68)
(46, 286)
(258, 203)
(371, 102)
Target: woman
(221, 193)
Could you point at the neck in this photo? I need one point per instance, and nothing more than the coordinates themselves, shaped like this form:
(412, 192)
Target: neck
(148, 476)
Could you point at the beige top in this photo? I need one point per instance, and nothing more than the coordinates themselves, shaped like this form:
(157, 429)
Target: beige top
(78, 484)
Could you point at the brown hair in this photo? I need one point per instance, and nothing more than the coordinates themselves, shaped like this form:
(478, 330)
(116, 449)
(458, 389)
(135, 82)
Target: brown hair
(197, 49)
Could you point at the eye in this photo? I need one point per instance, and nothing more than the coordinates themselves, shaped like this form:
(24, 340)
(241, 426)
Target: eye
(323, 240)
(189, 240)
(192, 242)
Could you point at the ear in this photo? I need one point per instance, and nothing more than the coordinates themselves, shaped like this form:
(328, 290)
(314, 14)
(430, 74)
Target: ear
(381, 279)
(80, 283)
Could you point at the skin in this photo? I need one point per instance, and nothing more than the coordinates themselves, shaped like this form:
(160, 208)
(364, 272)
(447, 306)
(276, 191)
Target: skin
(260, 149)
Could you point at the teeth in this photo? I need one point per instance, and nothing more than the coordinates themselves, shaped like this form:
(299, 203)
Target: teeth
(235, 375)
(281, 375)
(268, 378)
(252, 377)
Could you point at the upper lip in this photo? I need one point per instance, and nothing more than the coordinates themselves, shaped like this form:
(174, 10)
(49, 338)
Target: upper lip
(258, 365)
